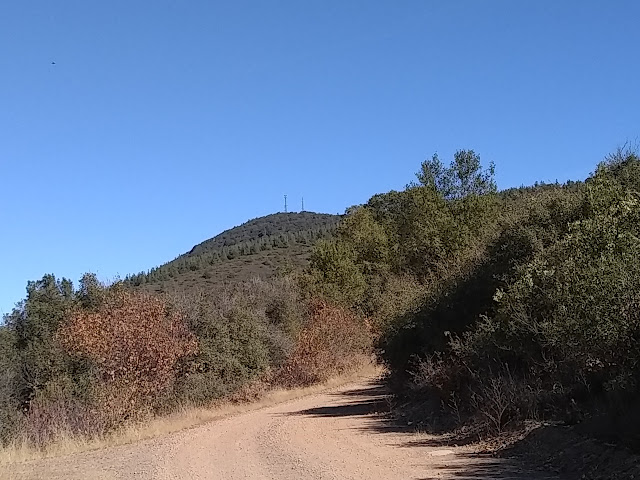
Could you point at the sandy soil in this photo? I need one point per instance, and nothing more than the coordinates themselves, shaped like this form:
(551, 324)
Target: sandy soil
(336, 434)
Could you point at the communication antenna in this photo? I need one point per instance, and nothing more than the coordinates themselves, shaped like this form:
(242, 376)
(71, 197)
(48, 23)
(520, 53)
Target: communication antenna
(285, 204)
(302, 204)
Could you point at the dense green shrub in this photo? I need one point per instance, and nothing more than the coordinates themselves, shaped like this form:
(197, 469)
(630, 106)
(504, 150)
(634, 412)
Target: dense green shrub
(233, 349)
(571, 316)
(335, 274)
(500, 306)
(461, 289)
(10, 416)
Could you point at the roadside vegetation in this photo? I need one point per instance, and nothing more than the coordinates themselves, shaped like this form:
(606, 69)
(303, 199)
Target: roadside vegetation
(489, 308)
(496, 307)
(85, 362)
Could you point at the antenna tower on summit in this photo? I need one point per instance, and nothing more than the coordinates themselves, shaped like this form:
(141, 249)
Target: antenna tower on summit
(285, 204)
(302, 205)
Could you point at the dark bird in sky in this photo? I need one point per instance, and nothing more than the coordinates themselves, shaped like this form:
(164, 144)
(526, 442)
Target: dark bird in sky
(53, 63)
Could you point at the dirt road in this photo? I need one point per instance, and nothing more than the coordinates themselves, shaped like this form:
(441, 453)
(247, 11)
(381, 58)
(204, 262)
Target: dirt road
(337, 434)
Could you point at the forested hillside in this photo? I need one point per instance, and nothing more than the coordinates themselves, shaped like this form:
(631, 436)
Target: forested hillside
(261, 247)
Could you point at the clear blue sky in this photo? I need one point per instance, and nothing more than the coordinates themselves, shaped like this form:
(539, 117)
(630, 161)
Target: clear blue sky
(163, 123)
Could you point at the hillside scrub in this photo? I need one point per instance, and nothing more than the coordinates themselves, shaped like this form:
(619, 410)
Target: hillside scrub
(496, 307)
(260, 248)
(86, 362)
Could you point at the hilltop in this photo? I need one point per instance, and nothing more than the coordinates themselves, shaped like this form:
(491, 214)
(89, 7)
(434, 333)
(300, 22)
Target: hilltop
(257, 248)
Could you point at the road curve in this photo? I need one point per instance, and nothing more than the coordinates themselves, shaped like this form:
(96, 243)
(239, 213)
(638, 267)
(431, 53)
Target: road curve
(338, 434)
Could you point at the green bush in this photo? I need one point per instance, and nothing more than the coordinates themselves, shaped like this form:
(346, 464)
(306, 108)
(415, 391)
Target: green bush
(547, 324)
(499, 306)
(10, 415)
(244, 332)
(571, 316)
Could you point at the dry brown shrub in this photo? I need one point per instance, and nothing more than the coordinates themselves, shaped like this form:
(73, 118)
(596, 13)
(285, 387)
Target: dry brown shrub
(333, 341)
(135, 342)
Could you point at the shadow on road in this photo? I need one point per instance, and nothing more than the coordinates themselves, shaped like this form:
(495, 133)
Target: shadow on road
(370, 400)
(478, 467)
(373, 401)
